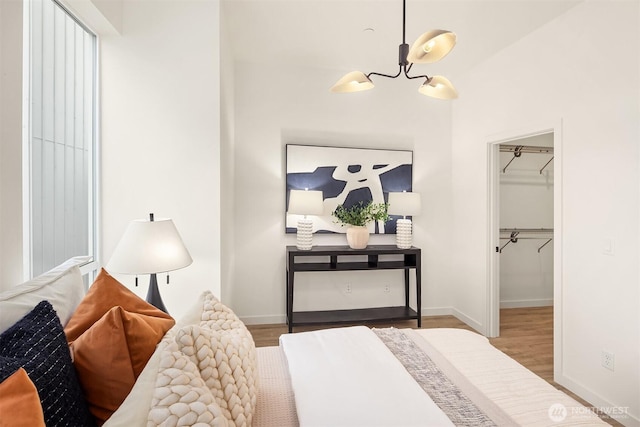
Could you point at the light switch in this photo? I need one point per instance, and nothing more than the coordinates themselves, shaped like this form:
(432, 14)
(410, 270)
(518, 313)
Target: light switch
(607, 247)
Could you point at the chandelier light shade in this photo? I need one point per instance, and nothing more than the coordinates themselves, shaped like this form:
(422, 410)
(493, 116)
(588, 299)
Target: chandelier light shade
(305, 202)
(430, 47)
(438, 87)
(355, 81)
(150, 247)
(405, 204)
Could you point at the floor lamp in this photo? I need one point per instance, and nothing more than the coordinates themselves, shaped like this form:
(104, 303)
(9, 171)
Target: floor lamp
(150, 247)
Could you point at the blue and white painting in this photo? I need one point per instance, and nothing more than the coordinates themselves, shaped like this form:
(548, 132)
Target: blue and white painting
(346, 176)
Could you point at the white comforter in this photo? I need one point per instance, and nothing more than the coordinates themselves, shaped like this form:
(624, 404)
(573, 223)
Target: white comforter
(348, 377)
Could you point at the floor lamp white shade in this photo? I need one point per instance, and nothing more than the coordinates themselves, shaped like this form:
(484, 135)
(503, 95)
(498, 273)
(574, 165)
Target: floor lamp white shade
(405, 204)
(150, 247)
(305, 202)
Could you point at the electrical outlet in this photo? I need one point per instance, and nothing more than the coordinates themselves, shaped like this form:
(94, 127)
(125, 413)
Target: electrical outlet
(608, 360)
(387, 289)
(347, 288)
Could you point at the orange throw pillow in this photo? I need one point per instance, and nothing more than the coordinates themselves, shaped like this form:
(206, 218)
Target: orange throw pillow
(106, 293)
(112, 335)
(112, 353)
(20, 403)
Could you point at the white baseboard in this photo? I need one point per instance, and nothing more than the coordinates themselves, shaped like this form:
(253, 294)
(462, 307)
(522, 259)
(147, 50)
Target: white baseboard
(275, 319)
(527, 303)
(437, 311)
(620, 414)
(469, 321)
(450, 311)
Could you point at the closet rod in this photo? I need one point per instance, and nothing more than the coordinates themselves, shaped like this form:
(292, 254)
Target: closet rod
(506, 148)
(517, 151)
(515, 232)
(526, 230)
(515, 240)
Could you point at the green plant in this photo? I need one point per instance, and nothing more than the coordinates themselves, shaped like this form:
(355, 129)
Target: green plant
(361, 214)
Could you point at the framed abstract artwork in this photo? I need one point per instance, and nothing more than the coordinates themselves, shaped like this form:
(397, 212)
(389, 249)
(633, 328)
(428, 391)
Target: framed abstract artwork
(346, 176)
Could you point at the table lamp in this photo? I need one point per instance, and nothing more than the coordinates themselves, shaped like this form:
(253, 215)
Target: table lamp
(305, 202)
(150, 247)
(405, 204)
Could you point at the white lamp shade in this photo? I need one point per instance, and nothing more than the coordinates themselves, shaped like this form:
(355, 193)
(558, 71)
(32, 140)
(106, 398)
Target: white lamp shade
(149, 247)
(432, 46)
(354, 81)
(305, 202)
(405, 203)
(438, 87)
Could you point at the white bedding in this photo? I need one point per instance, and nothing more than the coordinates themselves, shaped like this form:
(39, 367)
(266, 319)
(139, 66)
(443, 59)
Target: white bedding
(348, 377)
(343, 377)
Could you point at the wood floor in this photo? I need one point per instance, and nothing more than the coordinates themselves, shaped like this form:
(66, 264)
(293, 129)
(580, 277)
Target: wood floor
(526, 335)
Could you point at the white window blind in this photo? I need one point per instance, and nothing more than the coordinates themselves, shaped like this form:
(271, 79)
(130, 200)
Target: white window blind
(60, 177)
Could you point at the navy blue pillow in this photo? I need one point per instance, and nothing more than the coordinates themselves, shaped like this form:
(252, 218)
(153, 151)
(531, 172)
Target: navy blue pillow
(38, 344)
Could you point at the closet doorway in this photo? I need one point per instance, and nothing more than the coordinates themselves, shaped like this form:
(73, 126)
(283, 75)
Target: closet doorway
(523, 218)
(526, 222)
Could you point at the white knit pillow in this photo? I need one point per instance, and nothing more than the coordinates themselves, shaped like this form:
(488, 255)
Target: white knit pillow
(181, 398)
(219, 317)
(224, 351)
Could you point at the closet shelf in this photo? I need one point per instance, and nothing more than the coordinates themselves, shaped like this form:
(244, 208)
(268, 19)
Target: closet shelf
(518, 150)
(535, 233)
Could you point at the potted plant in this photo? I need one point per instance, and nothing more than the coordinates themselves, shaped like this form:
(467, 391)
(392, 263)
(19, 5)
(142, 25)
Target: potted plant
(357, 218)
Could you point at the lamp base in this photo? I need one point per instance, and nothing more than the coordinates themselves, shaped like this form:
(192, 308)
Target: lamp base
(404, 238)
(304, 235)
(153, 295)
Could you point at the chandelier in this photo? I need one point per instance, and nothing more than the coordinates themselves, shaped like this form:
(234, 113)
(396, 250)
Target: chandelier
(430, 47)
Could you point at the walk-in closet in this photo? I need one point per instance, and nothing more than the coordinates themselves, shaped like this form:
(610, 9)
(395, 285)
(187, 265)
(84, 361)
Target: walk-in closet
(526, 222)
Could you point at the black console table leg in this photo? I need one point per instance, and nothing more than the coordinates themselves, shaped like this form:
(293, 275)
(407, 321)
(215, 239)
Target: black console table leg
(406, 287)
(419, 290)
(290, 300)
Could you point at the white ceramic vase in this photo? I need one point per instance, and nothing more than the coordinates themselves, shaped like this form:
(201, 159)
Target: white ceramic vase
(357, 237)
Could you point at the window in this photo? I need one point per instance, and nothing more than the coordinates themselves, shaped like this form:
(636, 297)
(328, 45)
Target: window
(60, 141)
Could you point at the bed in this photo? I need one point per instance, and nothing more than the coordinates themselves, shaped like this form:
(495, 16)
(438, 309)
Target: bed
(108, 358)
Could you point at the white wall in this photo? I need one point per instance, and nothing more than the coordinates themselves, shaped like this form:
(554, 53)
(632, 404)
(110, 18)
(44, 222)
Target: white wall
(526, 201)
(227, 153)
(161, 135)
(567, 71)
(10, 143)
(280, 104)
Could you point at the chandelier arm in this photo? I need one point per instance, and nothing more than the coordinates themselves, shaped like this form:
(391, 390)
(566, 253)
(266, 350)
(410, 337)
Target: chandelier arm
(386, 75)
(406, 74)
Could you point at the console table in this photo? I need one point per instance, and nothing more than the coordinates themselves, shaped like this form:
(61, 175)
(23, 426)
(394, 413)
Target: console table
(341, 258)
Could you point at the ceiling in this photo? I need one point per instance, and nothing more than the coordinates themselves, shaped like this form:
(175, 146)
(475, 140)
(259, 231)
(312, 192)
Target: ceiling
(331, 33)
